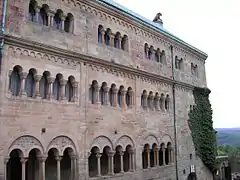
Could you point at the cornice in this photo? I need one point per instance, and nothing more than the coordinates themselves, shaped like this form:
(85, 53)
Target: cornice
(81, 58)
(139, 28)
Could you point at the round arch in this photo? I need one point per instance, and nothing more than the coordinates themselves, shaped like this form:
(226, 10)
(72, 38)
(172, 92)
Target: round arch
(101, 142)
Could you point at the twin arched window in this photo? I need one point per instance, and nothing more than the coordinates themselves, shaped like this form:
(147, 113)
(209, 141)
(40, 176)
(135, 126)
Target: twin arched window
(152, 54)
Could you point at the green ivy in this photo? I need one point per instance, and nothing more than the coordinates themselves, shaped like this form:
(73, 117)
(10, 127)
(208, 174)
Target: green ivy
(201, 126)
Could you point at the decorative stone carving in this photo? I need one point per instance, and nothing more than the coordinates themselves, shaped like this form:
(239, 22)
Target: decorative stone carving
(124, 141)
(158, 19)
(61, 143)
(26, 144)
(101, 142)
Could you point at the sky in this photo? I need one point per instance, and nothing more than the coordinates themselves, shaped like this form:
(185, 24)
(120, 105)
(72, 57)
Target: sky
(212, 26)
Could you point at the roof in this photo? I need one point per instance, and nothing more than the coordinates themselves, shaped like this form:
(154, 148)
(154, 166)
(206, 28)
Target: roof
(147, 22)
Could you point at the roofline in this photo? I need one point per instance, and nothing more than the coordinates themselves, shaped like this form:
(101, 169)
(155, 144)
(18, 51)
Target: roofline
(140, 19)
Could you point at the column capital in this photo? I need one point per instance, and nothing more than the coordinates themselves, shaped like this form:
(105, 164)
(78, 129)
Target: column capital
(115, 90)
(37, 77)
(121, 153)
(63, 82)
(157, 97)
(42, 158)
(51, 79)
(151, 96)
(75, 84)
(6, 159)
(58, 158)
(111, 153)
(130, 92)
(106, 89)
(123, 92)
(23, 75)
(73, 156)
(156, 149)
(10, 73)
(23, 160)
(98, 155)
(145, 96)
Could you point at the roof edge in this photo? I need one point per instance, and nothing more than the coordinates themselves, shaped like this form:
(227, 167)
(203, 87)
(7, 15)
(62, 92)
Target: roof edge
(147, 22)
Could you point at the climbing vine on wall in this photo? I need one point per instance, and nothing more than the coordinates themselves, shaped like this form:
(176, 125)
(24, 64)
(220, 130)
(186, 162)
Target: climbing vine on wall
(201, 126)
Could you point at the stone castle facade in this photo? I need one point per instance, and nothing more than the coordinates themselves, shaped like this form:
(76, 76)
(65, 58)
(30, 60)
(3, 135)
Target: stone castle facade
(90, 90)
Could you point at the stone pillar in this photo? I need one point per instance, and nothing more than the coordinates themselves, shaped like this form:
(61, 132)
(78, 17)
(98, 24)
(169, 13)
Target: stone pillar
(63, 83)
(156, 157)
(23, 77)
(58, 159)
(123, 98)
(37, 87)
(115, 96)
(102, 36)
(145, 105)
(42, 161)
(120, 42)
(112, 40)
(130, 93)
(133, 160)
(23, 161)
(75, 92)
(62, 22)
(164, 161)
(151, 98)
(37, 10)
(148, 158)
(106, 95)
(50, 87)
(5, 167)
(110, 162)
(162, 105)
(98, 155)
(73, 167)
(157, 99)
(121, 153)
(95, 97)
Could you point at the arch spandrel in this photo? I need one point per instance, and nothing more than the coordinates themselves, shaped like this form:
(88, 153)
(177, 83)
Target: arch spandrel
(61, 143)
(166, 139)
(26, 144)
(151, 139)
(101, 142)
(124, 141)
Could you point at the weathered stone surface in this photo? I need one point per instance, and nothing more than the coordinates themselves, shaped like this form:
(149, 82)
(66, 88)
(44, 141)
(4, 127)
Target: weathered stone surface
(85, 124)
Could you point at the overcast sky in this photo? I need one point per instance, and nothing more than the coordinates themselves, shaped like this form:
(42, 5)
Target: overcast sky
(214, 27)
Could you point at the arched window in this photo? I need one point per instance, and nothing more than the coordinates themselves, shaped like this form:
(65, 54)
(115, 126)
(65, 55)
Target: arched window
(43, 17)
(92, 162)
(56, 87)
(111, 94)
(120, 100)
(145, 152)
(150, 52)
(167, 102)
(107, 37)
(100, 36)
(30, 83)
(158, 55)
(129, 97)
(117, 40)
(69, 90)
(103, 93)
(124, 43)
(57, 23)
(163, 57)
(15, 80)
(162, 102)
(93, 90)
(32, 14)
(69, 23)
(44, 85)
(146, 49)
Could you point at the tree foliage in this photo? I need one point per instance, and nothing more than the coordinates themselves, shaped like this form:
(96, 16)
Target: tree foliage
(201, 126)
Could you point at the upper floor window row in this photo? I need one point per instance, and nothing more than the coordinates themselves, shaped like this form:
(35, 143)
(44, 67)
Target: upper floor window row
(44, 16)
(108, 38)
(179, 63)
(194, 69)
(112, 95)
(154, 54)
(31, 84)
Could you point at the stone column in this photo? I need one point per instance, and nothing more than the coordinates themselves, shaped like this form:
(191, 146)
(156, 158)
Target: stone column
(151, 98)
(123, 98)
(121, 153)
(133, 160)
(156, 157)
(102, 37)
(115, 96)
(75, 92)
(98, 155)
(73, 169)
(106, 95)
(162, 105)
(37, 10)
(62, 22)
(112, 36)
(23, 161)
(145, 105)
(130, 93)
(110, 162)
(63, 83)
(50, 87)
(23, 77)
(5, 167)
(120, 42)
(164, 161)
(58, 159)
(42, 161)
(37, 87)
(157, 99)
(148, 158)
